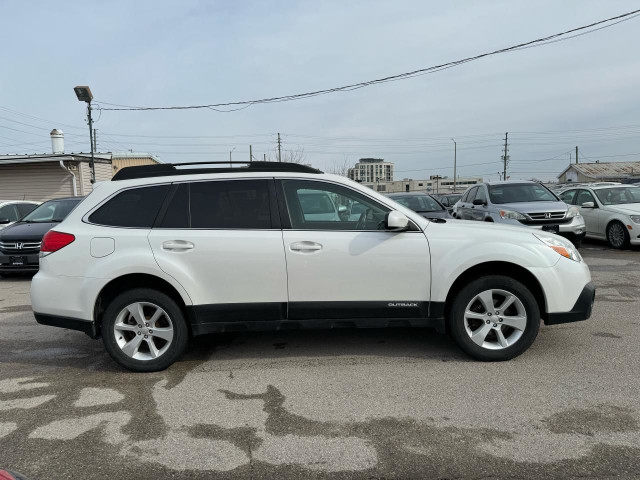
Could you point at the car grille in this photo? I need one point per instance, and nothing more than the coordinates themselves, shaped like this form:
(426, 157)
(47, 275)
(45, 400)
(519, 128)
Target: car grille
(546, 218)
(19, 248)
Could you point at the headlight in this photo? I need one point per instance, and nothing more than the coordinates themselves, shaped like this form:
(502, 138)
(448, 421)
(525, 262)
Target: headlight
(561, 246)
(512, 215)
(635, 218)
(573, 212)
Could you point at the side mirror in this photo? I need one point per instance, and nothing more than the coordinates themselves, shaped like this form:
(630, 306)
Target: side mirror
(588, 205)
(397, 221)
(478, 201)
(4, 221)
(342, 209)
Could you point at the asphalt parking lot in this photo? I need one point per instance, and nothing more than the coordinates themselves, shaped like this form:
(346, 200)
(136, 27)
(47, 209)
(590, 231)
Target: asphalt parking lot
(369, 404)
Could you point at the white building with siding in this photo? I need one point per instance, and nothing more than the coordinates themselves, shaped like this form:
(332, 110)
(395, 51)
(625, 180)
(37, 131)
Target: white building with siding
(45, 176)
(57, 175)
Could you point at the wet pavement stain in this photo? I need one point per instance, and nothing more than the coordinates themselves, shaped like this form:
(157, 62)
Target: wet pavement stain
(605, 335)
(590, 421)
(16, 309)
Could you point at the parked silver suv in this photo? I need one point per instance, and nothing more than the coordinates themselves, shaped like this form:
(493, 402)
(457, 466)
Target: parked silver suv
(523, 203)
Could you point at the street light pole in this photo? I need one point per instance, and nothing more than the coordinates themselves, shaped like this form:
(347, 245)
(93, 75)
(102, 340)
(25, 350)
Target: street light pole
(93, 165)
(455, 154)
(230, 164)
(84, 95)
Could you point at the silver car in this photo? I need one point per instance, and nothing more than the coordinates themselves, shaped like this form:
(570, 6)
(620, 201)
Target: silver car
(523, 203)
(610, 212)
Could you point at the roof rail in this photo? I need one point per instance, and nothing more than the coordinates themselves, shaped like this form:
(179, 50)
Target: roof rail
(170, 169)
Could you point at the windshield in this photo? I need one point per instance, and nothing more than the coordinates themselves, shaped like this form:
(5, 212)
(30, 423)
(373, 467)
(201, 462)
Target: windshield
(453, 199)
(52, 211)
(618, 196)
(418, 203)
(520, 192)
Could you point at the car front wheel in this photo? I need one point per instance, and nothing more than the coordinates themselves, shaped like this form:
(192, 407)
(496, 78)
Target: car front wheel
(617, 235)
(144, 330)
(494, 318)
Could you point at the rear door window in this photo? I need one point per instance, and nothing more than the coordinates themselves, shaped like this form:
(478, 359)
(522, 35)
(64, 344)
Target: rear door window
(132, 208)
(177, 213)
(230, 204)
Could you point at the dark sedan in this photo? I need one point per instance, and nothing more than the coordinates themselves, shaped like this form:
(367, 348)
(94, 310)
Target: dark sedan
(422, 203)
(449, 200)
(20, 242)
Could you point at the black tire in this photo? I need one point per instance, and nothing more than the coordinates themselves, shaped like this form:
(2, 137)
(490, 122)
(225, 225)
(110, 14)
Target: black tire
(614, 240)
(456, 318)
(179, 324)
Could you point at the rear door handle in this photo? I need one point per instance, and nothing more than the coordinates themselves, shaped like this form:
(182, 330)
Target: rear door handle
(305, 246)
(177, 245)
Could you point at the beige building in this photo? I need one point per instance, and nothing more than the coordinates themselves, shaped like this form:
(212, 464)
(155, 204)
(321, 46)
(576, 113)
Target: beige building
(600, 172)
(434, 185)
(56, 175)
(131, 159)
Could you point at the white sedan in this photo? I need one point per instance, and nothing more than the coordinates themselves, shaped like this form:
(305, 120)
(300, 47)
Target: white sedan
(611, 212)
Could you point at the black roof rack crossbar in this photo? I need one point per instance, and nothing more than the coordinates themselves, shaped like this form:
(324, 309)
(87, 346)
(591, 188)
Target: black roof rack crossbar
(171, 169)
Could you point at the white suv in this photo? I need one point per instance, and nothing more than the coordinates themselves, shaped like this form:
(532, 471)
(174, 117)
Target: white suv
(164, 252)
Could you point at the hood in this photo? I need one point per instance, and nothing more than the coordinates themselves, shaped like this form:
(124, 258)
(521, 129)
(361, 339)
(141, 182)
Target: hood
(626, 208)
(26, 231)
(5, 225)
(436, 214)
(533, 207)
(481, 227)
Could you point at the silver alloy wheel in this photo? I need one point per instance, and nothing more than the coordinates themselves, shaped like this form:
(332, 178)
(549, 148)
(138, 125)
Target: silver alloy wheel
(616, 235)
(143, 331)
(495, 319)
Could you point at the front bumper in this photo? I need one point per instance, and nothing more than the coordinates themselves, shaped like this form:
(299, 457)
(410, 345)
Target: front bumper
(576, 226)
(580, 311)
(29, 262)
(86, 326)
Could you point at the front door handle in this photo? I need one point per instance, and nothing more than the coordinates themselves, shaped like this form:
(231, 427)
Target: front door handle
(305, 246)
(177, 245)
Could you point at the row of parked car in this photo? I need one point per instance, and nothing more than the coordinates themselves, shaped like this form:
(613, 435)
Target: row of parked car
(607, 210)
(22, 226)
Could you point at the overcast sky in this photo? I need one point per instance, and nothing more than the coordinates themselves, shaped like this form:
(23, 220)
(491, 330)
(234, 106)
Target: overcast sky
(158, 53)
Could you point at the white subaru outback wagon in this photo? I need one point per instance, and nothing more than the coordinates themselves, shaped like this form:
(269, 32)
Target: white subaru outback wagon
(165, 252)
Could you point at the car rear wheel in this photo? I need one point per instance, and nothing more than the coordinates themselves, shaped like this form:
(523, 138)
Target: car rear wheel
(617, 235)
(144, 330)
(494, 318)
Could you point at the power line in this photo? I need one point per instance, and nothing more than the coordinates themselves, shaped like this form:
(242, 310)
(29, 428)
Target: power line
(402, 76)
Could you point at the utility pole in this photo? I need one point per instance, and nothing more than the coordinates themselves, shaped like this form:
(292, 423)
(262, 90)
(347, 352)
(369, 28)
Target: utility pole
(279, 145)
(455, 153)
(230, 164)
(95, 139)
(576, 154)
(264, 157)
(250, 153)
(505, 157)
(91, 140)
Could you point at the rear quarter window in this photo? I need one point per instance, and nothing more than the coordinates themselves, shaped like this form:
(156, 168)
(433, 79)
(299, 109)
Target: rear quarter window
(133, 208)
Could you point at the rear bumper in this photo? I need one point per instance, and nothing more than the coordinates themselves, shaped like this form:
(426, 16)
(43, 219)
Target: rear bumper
(85, 326)
(580, 311)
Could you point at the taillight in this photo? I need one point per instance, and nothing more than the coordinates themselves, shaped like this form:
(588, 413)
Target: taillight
(54, 241)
